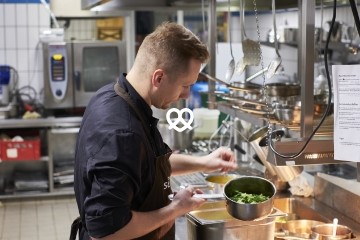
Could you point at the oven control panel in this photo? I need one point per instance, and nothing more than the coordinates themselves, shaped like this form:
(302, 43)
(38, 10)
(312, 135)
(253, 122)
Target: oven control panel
(58, 77)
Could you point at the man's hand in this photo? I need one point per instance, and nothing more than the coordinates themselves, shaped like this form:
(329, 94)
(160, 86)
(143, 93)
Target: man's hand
(184, 202)
(222, 159)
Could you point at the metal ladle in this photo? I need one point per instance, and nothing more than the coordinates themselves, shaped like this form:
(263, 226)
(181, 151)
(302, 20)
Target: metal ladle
(334, 228)
(274, 64)
(231, 67)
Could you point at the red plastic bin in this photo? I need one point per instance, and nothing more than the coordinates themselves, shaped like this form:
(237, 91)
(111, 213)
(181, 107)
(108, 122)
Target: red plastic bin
(29, 149)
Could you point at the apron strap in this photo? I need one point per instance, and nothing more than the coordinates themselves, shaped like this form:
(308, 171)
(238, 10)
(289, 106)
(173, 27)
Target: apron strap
(75, 226)
(122, 93)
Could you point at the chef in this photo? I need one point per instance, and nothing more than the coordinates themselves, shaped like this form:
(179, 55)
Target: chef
(122, 165)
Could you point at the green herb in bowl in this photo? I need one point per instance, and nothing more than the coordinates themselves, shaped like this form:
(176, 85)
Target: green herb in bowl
(241, 197)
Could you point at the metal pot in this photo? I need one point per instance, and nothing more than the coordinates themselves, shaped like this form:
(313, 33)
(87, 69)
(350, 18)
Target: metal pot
(324, 232)
(176, 140)
(283, 89)
(252, 185)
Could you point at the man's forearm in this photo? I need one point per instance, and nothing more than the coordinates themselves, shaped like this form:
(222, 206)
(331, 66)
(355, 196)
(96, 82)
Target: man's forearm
(181, 164)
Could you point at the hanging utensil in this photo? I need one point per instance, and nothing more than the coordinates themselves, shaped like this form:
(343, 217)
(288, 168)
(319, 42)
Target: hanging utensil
(203, 65)
(240, 66)
(231, 67)
(255, 75)
(251, 49)
(274, 64)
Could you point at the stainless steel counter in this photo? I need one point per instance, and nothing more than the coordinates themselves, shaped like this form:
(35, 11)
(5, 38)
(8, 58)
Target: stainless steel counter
(305, 207)
(330, 213)
(308, 208)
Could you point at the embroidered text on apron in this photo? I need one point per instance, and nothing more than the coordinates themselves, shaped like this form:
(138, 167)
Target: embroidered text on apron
(158, 195)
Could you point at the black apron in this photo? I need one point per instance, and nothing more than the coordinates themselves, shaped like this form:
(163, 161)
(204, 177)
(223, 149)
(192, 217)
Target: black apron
(158, 196)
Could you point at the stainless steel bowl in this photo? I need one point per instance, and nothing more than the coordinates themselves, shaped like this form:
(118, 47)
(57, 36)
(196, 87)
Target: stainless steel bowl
(283, 89)
(299, 228)
(324, 232)
(217, 181)
(253, 185)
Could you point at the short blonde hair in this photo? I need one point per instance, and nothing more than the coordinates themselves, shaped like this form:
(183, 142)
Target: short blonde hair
(171, 47)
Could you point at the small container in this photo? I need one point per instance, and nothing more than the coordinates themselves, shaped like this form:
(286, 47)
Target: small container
(28, 149)
(206, 122)
(4, 74)
(176, 140)
(4, 84)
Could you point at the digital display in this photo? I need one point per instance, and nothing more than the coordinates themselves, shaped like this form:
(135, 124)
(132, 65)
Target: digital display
(57, 67)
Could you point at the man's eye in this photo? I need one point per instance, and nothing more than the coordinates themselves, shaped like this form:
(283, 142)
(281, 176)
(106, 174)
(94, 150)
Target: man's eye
(188, 86)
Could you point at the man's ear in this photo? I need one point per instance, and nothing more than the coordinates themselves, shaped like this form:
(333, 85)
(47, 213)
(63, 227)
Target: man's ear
(157, 77)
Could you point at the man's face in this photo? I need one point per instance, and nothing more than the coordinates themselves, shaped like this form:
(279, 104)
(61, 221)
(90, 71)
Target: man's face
(174, 89)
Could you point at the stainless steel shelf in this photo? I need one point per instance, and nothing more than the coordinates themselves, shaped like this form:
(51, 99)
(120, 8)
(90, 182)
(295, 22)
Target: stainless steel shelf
(40, 123)
(66, 125)
(256, 120)
(37, 195)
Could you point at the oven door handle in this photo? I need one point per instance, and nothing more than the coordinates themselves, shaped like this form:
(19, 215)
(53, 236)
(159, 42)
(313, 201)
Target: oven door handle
(77, 77)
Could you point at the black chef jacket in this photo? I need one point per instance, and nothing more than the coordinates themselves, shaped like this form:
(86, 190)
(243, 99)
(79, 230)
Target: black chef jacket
(114, 166)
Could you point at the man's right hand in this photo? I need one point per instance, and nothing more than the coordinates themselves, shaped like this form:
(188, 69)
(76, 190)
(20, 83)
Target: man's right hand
(183, 202)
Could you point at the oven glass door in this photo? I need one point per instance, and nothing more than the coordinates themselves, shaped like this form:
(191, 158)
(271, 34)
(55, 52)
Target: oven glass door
(95, 65)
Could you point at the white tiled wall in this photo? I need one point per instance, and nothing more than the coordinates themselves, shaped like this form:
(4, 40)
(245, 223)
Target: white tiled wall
(19, 40)
(80, 29)
(20, 25)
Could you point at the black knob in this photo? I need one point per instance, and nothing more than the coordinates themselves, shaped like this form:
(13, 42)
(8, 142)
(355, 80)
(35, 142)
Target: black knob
(58, 92)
